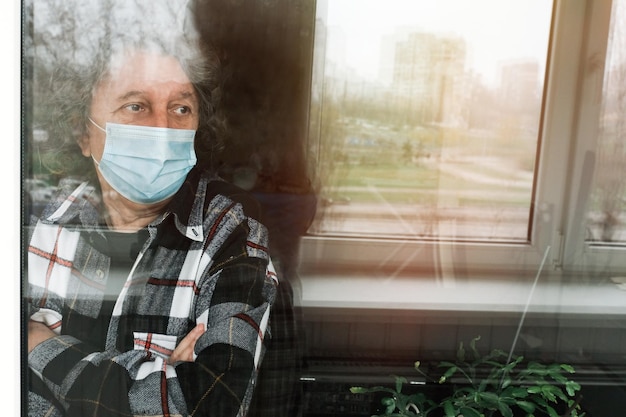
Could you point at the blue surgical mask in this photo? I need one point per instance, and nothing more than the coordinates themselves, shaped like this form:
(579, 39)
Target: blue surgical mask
(146, 164)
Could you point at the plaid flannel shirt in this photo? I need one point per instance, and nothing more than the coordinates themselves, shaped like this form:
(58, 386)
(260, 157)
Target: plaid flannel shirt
(205, 261)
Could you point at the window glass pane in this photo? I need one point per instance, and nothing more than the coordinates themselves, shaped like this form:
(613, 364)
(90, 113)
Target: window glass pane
(607, 215)
(425, 117)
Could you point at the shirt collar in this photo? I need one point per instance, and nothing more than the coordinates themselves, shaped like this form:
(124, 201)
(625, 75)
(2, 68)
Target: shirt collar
(187, 206)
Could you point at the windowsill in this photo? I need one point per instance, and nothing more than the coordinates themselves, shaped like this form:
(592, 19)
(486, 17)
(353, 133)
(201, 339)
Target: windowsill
(550, 296)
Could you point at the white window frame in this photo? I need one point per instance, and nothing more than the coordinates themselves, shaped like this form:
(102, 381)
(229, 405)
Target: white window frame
(578, 254)
(575, 71)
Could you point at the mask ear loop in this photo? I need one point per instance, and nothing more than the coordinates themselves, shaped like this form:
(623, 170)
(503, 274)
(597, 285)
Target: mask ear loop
(96, 124)
(104, 130)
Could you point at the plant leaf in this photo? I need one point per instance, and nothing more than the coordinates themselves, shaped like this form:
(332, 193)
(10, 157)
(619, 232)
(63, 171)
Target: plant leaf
(526, 406)
(518, 392)
(552, 412)
(505, 410)
(534, 390)
(448, 408)
(389, 403)
(473, 342)
(460, 353)
(400, 380)
(548, 393)
(571, 387)
(490, 398)
(552, 392)
(450, 372)
(470, 412)
(558, 377)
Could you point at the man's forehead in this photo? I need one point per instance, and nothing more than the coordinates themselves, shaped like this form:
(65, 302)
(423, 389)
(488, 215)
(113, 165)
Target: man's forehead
(138, 66)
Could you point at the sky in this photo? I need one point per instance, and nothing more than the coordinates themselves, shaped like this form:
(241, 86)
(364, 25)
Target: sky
(496, 30)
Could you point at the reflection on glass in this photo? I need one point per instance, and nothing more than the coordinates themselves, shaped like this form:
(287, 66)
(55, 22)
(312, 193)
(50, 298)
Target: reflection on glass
(425, 120)
(606, 216)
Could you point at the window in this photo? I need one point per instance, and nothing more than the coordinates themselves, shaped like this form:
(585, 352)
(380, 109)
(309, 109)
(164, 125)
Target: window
(454, 143)
(459, 141)
(605, 214)
(429, 122)
(594, 218)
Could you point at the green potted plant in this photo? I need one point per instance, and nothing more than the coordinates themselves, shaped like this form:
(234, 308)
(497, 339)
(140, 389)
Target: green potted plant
(487, 386)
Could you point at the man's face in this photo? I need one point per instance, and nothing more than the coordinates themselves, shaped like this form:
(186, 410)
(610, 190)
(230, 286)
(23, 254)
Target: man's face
(143, 89)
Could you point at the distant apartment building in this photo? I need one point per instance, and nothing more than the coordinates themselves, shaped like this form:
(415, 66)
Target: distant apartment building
(519, 85)
(519, 96)
(428, 75)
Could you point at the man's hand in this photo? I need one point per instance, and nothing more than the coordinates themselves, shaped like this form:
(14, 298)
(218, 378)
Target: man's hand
(37, 333)
(184, 350)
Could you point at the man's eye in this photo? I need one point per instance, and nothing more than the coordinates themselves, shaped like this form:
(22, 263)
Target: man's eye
(182, 110)
(134, 107)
